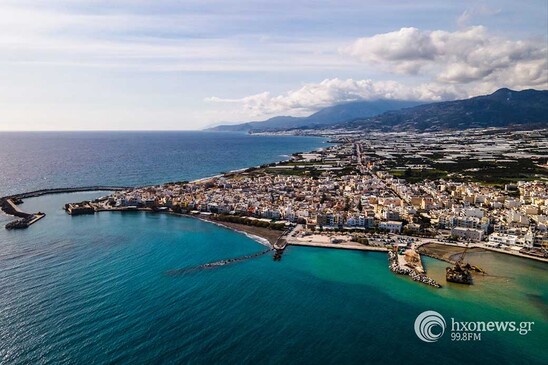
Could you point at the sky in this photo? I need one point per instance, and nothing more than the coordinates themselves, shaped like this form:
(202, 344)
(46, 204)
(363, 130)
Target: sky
(187, 65)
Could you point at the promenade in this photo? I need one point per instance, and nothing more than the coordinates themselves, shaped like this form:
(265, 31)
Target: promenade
(343, 245)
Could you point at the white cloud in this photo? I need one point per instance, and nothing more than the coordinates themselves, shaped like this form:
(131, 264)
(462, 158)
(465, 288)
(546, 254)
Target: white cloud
(182, 41)
(459, 64)
(314, 96)
(460, 57)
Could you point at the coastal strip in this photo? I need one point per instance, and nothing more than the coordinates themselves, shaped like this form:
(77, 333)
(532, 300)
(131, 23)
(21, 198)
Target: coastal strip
(265, 236)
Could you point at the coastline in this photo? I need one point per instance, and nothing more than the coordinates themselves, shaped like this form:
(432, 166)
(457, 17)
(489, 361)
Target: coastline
(264, 236)
(268, 237)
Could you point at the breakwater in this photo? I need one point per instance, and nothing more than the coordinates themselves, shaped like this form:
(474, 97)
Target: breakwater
(10, 207)
(27, 219)
(36, 193)
(396, 268)
(216, 264)
(9, 203)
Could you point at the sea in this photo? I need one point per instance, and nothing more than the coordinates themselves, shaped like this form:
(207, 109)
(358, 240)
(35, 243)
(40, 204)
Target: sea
(112, 288)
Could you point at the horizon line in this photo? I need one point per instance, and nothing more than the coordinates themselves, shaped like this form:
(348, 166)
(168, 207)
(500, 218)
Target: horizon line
(105, 130)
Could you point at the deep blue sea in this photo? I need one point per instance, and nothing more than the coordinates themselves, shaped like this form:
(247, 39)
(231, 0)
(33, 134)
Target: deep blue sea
(99, 290)
(38, 160)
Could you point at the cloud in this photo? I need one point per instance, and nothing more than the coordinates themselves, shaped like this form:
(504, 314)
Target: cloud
(407, 49)
(177, 40)
(314, 96)
(460, 57)
(458, 64)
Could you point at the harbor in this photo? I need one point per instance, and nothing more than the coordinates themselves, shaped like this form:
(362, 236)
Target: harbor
(9, 204)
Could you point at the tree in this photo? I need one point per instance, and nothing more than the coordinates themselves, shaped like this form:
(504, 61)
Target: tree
(408, 173)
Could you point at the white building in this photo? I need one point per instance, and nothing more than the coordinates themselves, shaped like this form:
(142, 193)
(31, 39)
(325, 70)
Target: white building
(496, 239)
(471, 234)
(391, 226)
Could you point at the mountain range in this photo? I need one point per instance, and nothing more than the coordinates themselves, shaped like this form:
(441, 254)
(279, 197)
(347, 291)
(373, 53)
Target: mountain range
(502, 108)
(324, 118)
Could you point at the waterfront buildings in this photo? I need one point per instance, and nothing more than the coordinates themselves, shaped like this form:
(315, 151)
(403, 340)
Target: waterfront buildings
(388, 182)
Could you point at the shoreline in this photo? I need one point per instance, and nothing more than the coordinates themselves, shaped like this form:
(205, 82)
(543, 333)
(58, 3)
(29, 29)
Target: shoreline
(264, 236)
(257, 234)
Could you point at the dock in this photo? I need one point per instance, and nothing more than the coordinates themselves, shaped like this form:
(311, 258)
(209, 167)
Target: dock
(37, 193)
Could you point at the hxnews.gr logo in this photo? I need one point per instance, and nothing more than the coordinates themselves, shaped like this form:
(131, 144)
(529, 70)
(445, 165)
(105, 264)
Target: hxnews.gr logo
(430, 327)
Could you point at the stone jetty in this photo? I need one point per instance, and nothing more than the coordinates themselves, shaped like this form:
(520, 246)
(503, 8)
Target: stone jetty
(395, 267)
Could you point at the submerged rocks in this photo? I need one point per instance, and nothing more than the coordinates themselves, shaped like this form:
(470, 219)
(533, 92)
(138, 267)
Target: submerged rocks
(211, 265)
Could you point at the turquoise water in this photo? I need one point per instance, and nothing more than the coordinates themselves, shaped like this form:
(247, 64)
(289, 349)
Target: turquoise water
(95, 289)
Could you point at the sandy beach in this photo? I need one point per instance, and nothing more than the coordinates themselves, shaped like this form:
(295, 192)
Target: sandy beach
(268, 234)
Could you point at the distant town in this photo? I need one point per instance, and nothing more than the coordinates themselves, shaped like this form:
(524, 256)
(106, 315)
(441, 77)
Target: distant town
(480, 187)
